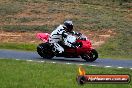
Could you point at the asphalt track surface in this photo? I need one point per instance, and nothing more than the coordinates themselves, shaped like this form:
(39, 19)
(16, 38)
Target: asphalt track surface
(33, 56)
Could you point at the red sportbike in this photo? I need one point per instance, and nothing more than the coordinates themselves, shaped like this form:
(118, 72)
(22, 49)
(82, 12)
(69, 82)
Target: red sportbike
(83, 48)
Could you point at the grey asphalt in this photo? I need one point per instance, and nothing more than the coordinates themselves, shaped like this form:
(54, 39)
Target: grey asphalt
(25, 55)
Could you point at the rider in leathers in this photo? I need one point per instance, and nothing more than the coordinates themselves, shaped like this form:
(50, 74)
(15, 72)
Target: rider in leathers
(61, 32)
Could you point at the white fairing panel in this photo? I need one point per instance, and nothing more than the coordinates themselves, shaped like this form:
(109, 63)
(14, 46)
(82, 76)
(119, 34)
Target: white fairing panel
(70, 40)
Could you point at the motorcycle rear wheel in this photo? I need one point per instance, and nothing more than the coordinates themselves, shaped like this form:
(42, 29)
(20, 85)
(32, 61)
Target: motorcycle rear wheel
(90, 56)
(45, 50)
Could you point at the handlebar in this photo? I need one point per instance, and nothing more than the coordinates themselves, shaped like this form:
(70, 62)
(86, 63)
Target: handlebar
(82, 37)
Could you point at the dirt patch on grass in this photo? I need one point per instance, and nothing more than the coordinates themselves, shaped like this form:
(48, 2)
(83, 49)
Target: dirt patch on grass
(19, 37)
(43, 14)
(128, 17)
(97, 38)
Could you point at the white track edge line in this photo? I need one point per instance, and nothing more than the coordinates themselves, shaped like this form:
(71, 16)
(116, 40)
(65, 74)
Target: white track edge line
(107, 66)
(92, 65)
(29, 60)
(72, 63)
(68, 63)
(53, 62)
(17, 59)
(120, 67)
(81, 64)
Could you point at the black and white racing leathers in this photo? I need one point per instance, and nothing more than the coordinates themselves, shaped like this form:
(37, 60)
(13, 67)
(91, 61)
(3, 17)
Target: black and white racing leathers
(58, 35)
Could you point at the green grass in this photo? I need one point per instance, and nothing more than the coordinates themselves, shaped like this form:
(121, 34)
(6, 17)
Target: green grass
(118, 47)
(10, 8)
(18, 46)
(25, 28)
(22, 74)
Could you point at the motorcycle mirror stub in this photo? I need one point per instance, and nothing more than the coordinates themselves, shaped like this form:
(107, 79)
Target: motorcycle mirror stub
(83, 37)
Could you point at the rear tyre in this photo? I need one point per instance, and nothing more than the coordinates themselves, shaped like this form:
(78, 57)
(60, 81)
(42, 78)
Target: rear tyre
(90, 56)
(45, 50)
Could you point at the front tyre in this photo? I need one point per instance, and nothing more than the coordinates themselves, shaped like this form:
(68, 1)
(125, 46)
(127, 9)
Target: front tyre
(45, 50)
(90, 56)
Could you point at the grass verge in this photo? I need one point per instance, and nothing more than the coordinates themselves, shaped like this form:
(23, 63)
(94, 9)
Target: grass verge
(22, 74)
(10, 8)
(18, 46)
(24, 28)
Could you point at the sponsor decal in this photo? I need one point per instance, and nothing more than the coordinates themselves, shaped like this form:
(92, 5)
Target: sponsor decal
(83, 78)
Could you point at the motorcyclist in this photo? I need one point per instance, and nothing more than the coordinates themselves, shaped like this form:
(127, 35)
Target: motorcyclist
(61, 32)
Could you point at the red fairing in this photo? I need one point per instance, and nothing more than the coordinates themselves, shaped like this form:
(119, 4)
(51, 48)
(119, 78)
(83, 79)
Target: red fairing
(86, 46)
(43, 36)
(86, 43)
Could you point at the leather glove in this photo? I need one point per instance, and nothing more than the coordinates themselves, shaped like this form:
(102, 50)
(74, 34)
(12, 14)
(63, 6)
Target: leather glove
(73, 46)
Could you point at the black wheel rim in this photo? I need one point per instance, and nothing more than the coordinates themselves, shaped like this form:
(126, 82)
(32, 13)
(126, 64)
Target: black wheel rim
(90, 56)
(46, 52)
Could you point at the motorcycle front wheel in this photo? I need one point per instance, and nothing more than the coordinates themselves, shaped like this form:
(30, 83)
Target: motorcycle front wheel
(45, 50)
(90, 56)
